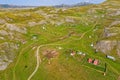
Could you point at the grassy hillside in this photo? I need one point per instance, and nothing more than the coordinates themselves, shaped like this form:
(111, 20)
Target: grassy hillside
(47, 43)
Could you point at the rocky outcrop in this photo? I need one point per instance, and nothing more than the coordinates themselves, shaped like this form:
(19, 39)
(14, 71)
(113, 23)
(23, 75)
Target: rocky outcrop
(118, 48)
(42, 22)
(3, 32)
(69, 20)
(12, 32)
(4, 62)
(7, 54)
(2, 21)
(13, 27)
(108, 32)
(106, 46)
(115, 13)
(114, 23)
(32, 24)
(112, 30)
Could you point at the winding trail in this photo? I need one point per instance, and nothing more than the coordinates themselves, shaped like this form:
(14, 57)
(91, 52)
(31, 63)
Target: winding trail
(38, 60)
(38, 56)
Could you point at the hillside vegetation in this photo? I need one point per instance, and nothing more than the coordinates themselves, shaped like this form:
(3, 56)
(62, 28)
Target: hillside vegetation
(48, 43)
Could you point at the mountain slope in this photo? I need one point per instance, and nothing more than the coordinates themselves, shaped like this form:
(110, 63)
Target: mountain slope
(48, 43)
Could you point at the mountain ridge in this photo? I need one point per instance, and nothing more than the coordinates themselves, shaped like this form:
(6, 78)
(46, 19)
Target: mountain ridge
(57, 6)
(13, 6)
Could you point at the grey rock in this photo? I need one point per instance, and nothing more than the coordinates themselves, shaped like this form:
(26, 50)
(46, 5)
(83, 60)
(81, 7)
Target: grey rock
(32, 24)
(4, 62)
(3, 32)
(42, 22)
(13, 27)
(108, 32)
(106, 46)
(69, 20)
(2, 21)
(114, 23)
(118, 48)
(7, 54)
(115, 13)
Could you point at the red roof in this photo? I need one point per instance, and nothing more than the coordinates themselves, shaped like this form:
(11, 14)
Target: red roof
(95, 62)
(90, 60)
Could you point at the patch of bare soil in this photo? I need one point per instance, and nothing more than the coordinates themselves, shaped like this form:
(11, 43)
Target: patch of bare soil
(50, 53)
(119, 78)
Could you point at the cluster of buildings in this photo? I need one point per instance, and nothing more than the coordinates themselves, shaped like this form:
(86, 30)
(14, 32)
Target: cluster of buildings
(77, 52)
(93, 61)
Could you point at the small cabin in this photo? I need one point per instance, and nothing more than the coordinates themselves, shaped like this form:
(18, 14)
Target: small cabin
(81, 53)
(110, 57)
(95, 62)
(90, 60)
(73, 53)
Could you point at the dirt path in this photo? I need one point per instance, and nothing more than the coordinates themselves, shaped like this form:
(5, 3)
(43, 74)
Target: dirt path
(38, 63)
(38, 59)
(38, 56)
(86, 32)
(19, 56)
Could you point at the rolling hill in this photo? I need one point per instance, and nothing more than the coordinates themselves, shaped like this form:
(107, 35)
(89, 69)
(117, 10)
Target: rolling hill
(48, 43)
